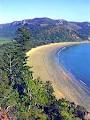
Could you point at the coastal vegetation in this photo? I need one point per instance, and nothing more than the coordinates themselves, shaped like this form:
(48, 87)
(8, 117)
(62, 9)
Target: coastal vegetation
(21, 96)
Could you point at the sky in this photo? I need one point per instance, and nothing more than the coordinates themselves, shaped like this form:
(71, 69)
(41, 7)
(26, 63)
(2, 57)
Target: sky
(71, 10)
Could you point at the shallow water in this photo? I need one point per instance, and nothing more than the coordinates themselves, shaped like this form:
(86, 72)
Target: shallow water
(76, 60)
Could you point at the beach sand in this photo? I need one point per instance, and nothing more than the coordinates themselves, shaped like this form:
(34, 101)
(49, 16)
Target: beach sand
(45, 64)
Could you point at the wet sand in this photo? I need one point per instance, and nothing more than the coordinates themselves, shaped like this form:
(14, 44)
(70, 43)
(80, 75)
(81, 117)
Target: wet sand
(45, 64)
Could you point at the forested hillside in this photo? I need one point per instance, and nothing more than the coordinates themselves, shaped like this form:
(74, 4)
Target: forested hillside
(46, 30)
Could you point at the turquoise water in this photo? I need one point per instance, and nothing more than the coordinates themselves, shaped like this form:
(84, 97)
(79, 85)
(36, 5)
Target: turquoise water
(76, 60)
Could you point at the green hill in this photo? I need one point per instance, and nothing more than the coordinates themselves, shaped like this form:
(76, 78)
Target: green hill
(46, 30)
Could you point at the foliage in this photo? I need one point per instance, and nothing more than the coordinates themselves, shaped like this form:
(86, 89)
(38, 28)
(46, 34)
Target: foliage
(8, 96)
(69, 111)
(23, 37)
(13, 63)
(26, 98)
(34, 114)
(37, 92)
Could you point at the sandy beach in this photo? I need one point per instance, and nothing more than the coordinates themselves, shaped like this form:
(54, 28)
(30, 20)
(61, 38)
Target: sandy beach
(45, 64)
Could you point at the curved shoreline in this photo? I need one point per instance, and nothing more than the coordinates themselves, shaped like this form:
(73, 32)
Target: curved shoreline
(63, 67)
(48, 68)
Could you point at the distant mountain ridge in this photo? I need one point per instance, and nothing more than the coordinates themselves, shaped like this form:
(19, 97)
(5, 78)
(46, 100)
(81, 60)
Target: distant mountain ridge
(49, 30)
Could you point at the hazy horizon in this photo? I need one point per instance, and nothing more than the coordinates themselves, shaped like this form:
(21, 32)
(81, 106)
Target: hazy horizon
(76, 10)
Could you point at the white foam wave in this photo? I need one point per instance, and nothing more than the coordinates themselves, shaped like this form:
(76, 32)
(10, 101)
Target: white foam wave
(83, 82)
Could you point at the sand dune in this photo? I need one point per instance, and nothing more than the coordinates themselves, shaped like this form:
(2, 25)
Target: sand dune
(44, 62)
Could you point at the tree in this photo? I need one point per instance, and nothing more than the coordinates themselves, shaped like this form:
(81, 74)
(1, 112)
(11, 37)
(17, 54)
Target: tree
(23, 37)
(9, 99)
(33, 114)
(8, 96)
(37, 92)
(10, 62)
(13, 62)
(50, 91)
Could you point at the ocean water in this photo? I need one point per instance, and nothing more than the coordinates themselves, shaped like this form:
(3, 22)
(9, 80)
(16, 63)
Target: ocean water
(76, 60)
